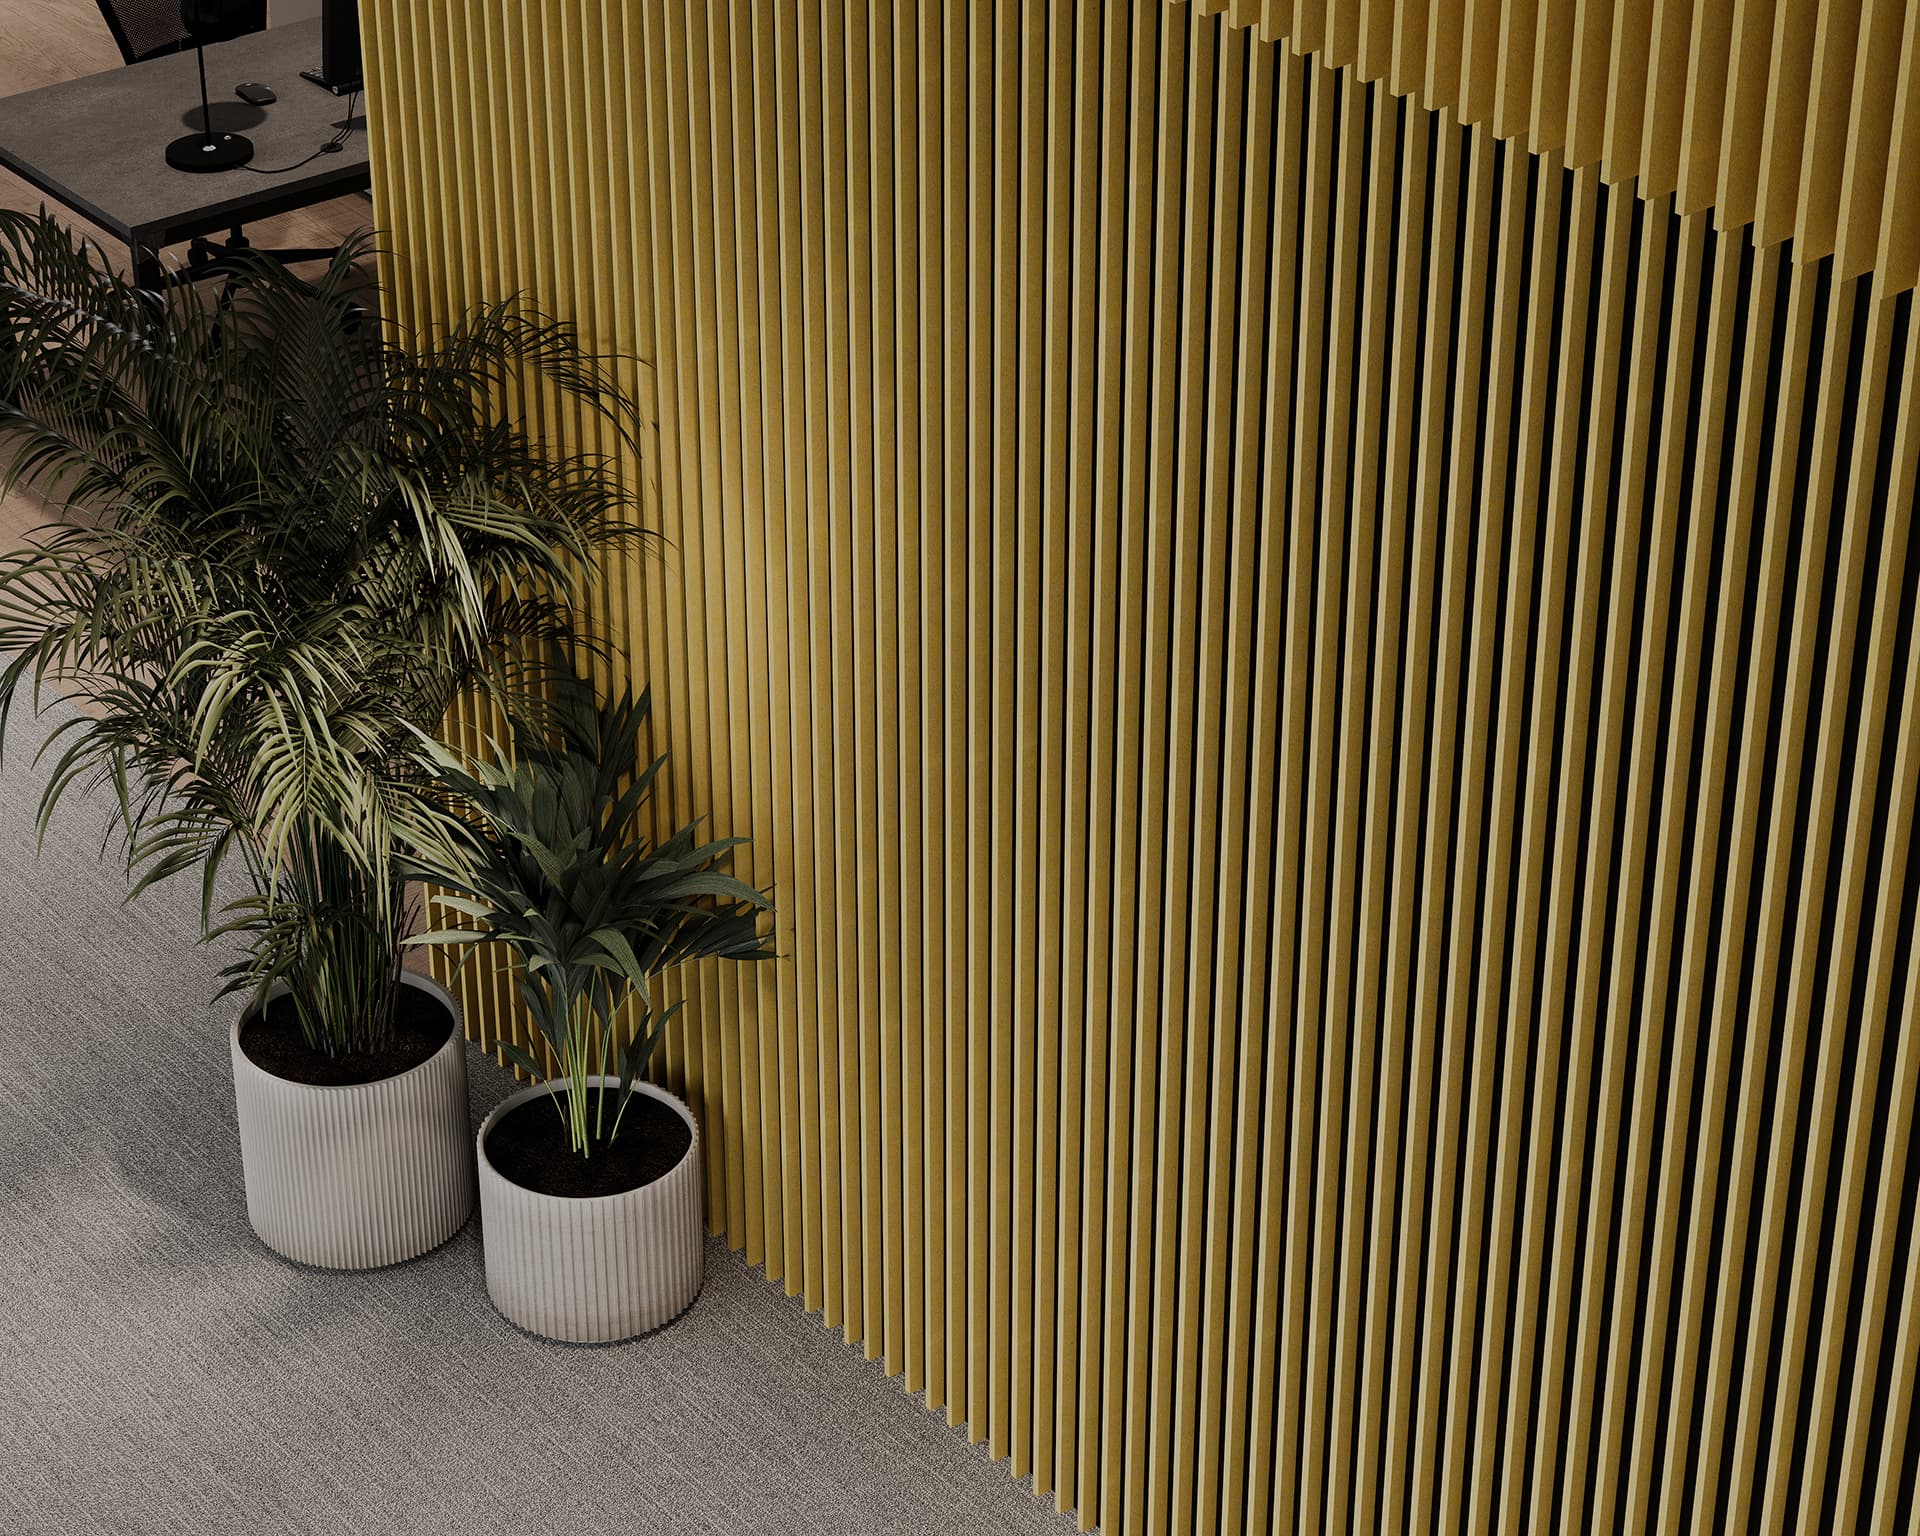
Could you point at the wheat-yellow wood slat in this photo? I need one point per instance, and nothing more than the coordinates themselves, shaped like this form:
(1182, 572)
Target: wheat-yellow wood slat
(1407, 54)
(1782, 930)
(1866, 136)
(1895, 457)
(1538, 518)
(1543, 839)
(1590, 758)
(1832, 126)
(766, 379)
(807, 891)
(1480, 58)
(956, 745)
(1705, 974)
(1008, 1204)
(1131, 1076)
(1515, 335)
(1310, 406)
(1377, 575)
(1245, 841)
(1719, 384)
(1342, 30)
(1589, 82)
(1708, 66)
(1457, 761)
(716, 555)
(758, 1021)
(1813, 996)
(904, 501)
(1688, 652)
(1895, 1036)
(1387, 987)
(1074, 242)
(925, 459)
(1432, 686)
(1554, 34)
(1767, 926)
(1292, 637)
(877, 720)
(1513, 76)
(1748, 51)
(1210, 516)
(1649, 544)
(1669, 60)
(1182, 1037)
(1105, 1155)
(1374, 48)
(1631, 55)
(1030, 151)
(1272, 901)
(1446, 50)
(1784, 130)
(1898, 258)
(979, 1016)
(1308, 31)
(1343, 613)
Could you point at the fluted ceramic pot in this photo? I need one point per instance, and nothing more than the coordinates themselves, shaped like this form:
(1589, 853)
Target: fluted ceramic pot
(360, 1175)
(593, 1269)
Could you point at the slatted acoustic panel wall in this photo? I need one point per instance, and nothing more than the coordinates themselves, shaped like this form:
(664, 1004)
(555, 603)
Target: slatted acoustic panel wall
(1329, 702)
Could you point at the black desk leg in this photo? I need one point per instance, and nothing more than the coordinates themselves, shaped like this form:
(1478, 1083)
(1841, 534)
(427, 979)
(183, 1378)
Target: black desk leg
(146, 268)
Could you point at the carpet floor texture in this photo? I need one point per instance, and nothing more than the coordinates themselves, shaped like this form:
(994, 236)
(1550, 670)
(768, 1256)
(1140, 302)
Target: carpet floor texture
(162, 1371)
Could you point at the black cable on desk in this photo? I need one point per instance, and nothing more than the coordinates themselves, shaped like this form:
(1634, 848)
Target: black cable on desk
(333, 146)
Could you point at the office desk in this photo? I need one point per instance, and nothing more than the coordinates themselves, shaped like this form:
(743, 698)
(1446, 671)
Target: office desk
(98, 144)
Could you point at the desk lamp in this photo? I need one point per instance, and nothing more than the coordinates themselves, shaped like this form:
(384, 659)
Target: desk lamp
(211, 21)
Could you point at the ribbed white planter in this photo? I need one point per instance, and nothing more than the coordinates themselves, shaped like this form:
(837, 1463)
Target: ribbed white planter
(358, 1176)
(593, 1269)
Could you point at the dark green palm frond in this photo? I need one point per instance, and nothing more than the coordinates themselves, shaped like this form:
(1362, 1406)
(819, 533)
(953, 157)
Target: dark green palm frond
(288, 539)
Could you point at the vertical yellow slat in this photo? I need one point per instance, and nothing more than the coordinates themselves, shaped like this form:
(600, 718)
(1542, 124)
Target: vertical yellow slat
(1905, 1366)
(1743, 112)
(1272, 905)
(1513, 85)
(870, 111)
(1832, 127)
(901, 658)
(1192, 895)
(1073, 313)
(1337, 782)
(1558, 654)
(1589, 81)
(1867, 136)
(1307, 934)
(1024, 379)
(1386, 990)
(1456, 779)
(1898, 257)
(1375, 582)
(1131, 1077)
(1702, 126)
(1101, 1295)
(1555, 34)
(1244, 876)
(1784, 128)
(1630, 59)
(1667, 72)
(1516, 349)
(1606, 1003)
(956, 740)
(980, 1018)
(1688, 654)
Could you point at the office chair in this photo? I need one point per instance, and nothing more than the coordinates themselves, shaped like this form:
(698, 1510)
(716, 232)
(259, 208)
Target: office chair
(150, 29)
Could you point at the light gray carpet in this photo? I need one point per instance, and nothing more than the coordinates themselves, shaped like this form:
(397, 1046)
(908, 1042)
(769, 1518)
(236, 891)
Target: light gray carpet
(161, 1371)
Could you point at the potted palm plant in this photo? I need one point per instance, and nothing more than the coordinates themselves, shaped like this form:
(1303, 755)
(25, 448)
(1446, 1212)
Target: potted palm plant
(590, 1181)
(286, 539)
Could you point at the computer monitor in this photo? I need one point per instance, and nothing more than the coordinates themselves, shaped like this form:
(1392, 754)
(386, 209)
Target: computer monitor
(339, 69)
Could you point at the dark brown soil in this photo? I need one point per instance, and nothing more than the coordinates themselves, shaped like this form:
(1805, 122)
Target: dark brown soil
(529, 1146)
(274, 1044)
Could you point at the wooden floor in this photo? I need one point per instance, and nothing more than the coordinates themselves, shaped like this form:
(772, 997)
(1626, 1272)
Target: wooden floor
(45, 41)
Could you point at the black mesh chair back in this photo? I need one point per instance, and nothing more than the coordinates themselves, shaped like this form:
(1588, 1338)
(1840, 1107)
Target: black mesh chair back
(145, 29)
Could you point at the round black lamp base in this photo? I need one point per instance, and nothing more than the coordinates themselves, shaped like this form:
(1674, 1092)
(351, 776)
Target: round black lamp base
(198, 152)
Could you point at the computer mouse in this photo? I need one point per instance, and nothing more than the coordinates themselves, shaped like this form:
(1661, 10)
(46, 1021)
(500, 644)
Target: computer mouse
(255, 95)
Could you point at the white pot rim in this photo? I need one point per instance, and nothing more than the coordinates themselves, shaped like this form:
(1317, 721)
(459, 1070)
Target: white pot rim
(456, 1039)
(552, 1085)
